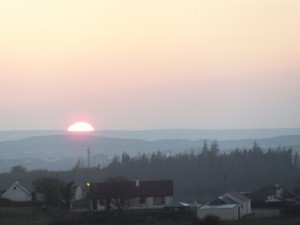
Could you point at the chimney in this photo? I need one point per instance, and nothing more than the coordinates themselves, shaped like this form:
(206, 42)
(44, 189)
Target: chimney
(137, 183)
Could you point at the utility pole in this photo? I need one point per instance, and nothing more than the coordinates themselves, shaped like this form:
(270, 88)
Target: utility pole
(225, 182)
(58, 193)
(88, 157)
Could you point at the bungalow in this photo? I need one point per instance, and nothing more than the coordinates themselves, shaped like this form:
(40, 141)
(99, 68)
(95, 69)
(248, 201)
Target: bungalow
(18, 193)
(154, 194)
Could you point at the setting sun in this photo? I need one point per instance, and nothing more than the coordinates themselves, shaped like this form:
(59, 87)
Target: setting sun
(81, 127)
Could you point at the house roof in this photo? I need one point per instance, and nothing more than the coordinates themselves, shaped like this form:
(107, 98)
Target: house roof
(222, 200)
(18, 185)
(154, 188)
(239, 196)
(262, 194)
(272, 200)
(223, 206)
(227, 200)
(195, 205)
(178, 205)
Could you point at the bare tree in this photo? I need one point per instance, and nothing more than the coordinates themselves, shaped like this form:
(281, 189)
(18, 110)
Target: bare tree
(68, 193)
(120, 197)
(55, 190)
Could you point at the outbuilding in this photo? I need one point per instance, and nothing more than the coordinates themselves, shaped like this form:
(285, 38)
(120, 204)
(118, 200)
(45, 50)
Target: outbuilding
(223, 211)
(240, 199)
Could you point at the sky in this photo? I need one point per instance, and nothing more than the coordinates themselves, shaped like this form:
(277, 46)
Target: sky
(149, 64)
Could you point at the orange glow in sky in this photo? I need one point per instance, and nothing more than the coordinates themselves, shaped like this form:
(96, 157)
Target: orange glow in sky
(146, 64)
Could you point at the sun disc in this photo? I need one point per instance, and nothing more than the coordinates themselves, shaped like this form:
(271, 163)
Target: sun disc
(81, 127)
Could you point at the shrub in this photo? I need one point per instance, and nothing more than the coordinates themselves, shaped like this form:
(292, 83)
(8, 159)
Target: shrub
(210, 220)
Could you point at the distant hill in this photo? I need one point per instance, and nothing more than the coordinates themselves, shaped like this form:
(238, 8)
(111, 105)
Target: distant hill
(59, 146)
(152, 135)
(62, 151)
(198, 134)
(9, 135)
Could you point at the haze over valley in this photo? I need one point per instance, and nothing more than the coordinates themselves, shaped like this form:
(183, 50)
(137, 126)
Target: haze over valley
(60, 150)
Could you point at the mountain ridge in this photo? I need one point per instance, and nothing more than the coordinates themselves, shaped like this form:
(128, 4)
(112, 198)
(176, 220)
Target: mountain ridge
(62, 151)
(158, 134)
(72, 145)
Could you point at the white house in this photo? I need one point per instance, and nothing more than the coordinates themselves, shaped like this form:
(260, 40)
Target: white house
(240, 199)
(223, 211)
(17, 193)
(78, 193)
(152, 194)
(230, 206)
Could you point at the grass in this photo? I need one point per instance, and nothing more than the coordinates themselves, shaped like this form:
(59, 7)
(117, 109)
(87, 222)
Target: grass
(266, 221)
(22, 216)
(35, 216)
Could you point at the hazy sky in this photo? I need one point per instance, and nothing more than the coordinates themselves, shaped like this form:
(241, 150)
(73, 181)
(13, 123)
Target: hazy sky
(144, 64)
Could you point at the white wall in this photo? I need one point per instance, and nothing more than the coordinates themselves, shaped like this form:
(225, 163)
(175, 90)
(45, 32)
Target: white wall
(16, 195)
(246, 205)
(249, 207)
(148, 204)
(168, 200)
(223, 214)
(78, 193)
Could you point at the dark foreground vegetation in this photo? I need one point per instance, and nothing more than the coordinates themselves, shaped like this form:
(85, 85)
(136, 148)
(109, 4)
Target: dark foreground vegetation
(36, 216)
(295, 220)
(23, 216)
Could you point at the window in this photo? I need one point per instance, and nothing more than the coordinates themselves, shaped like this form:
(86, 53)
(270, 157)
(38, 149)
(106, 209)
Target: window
(158, 200)
(142, 200)
(102, 202)
(94, 204)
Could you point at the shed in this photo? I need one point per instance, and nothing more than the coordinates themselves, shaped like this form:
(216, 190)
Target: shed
(240, 199)
(224, 211)
(178, 206)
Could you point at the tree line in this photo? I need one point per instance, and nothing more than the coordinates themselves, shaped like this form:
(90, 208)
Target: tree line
(203, 174)
(198, 174)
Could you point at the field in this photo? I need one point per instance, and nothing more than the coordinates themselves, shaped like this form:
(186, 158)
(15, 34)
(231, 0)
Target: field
(266, 221)
(22, 216)
(35, 216)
